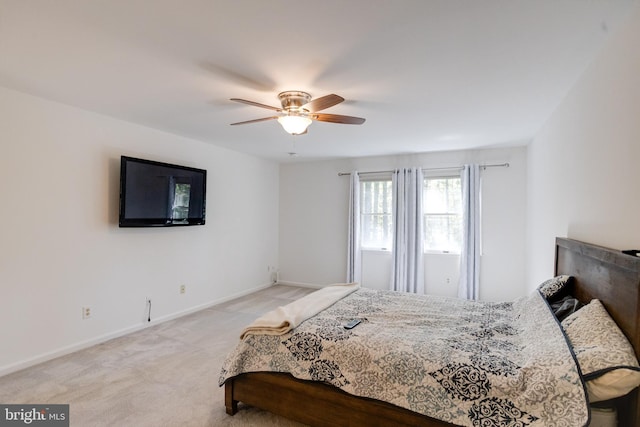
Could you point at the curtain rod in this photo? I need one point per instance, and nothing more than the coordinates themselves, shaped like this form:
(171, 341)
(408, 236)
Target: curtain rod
(498, 165)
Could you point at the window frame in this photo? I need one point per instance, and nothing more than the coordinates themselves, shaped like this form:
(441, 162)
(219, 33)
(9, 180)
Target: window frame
(381, 177)
(387, 177)
(425, 214)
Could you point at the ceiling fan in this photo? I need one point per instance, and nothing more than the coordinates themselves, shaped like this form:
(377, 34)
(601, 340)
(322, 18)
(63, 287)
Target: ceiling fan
(299, 110)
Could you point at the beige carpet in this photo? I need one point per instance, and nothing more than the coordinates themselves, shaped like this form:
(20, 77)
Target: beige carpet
(165, 375)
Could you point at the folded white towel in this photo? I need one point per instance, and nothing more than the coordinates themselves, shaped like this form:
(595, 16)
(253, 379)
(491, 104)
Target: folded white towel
(285, 318)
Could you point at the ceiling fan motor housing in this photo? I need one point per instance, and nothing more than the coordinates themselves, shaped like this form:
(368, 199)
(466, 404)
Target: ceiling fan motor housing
(292, 100)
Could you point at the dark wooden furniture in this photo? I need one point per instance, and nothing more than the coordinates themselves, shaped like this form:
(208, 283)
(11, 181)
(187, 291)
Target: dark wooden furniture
(613, 278)
(601, 273)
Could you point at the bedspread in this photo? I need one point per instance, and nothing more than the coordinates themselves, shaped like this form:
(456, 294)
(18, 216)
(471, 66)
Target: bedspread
(464, 362)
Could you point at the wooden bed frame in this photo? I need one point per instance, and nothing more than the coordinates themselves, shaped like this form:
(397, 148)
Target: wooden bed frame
(605, 274)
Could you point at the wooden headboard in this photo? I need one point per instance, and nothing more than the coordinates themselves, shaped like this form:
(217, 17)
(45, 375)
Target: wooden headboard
(613, 278)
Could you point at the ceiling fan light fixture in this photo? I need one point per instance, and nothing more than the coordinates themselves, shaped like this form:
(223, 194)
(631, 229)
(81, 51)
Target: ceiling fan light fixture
(295, 125)
(299, 110)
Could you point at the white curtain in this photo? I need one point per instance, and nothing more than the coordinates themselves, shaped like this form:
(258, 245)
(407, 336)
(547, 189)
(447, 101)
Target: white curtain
(354, 255)
(469, 286)
(407, 269)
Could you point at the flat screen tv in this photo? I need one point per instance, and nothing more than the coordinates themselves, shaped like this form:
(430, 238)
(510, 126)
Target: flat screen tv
(155, 194)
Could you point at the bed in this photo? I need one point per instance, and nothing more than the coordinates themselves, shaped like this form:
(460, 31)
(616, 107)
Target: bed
(605, 274)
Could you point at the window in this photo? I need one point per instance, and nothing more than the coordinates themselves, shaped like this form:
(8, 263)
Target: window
(376, 229)
(442, 204)
(442, 210)
(180, 206)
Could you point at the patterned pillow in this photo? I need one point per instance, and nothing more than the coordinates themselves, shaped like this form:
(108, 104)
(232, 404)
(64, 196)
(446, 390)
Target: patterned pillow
(606, 358)
(553, 287)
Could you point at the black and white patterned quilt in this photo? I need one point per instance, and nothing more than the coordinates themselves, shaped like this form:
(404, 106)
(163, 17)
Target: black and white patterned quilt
(464, 362)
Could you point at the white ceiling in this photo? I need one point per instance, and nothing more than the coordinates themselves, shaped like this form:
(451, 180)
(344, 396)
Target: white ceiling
(428, 75)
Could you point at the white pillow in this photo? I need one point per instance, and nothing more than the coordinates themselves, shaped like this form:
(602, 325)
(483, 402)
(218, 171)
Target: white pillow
(607, 360)
(613, 384)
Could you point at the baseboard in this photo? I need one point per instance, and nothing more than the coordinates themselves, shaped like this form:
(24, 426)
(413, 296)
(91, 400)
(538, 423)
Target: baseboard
(207, 305)
(300, 284)
(63, 351)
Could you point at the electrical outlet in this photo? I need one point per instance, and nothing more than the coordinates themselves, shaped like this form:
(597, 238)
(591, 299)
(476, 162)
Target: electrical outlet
(86, 313)
(183, 289)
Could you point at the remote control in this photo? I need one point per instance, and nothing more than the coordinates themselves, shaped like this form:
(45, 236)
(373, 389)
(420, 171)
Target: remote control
(351, 323)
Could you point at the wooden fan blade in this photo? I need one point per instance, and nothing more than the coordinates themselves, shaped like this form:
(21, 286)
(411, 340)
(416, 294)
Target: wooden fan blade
(256, 104)
(264, 119)
(336, 118)
(322, 103)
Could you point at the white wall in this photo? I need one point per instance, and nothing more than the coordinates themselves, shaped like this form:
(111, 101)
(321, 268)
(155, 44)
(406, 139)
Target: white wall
(313, 223)
(583, 165)
(61, 248)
